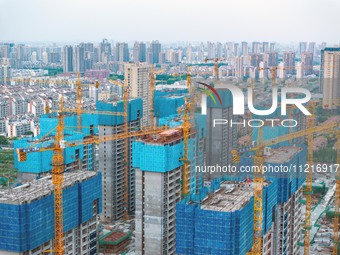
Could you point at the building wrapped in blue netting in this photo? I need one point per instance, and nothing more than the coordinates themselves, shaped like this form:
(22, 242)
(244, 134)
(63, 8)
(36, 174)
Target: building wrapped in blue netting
(27, 213)
(219, 220)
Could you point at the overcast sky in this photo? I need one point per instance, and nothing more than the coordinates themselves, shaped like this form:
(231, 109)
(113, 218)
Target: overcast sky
(170, 20)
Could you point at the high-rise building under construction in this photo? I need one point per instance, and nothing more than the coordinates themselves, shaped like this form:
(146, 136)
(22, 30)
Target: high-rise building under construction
(158, 190)
(221, 139)
(27, 215)
(219, 219)
(111, 158)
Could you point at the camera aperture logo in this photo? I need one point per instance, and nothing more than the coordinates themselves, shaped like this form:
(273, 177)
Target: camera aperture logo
(209, 92)
(238, 105)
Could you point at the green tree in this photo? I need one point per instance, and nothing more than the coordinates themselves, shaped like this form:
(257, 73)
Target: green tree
(3, 140)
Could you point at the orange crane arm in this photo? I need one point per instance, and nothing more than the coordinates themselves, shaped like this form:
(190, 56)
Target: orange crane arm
(22, 153)
(95, 112)
(300, 133)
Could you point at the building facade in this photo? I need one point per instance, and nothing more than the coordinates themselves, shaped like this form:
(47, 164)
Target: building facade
(330, 77)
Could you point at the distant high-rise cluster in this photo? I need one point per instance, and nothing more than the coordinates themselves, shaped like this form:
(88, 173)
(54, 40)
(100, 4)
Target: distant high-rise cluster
(244, 59)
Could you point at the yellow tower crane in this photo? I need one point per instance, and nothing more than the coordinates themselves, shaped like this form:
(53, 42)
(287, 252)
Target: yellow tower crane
(57, 180)
(191, 91)
(186, 126)
(47, 106)
(216, 60)
(186, 136)
(309, 181)
(79, 98)
(258, 188)
(273, 73)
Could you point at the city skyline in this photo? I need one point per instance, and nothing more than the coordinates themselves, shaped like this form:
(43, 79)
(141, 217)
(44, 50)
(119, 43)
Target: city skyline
(175, 21)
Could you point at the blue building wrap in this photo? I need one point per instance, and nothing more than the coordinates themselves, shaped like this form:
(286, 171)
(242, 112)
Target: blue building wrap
(270, 132)
(201, 232)
(167, 101)
(170, 92)
(135, 111)
(49, 122)
(26, 226)
(40, 161)
(156, 157)
(287, 183)
(171, 121)
(167, 106)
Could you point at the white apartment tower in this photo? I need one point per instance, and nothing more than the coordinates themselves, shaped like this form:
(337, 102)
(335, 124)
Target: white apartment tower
(330, 77)
(137, 75)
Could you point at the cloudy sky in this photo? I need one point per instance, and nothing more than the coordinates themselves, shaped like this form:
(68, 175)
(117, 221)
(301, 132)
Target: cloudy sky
(170, 21)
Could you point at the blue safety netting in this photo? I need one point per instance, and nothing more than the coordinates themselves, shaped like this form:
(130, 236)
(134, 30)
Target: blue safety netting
(40, 161)
(161, 157)
(135, 111)
(200, 231)
(26, 226)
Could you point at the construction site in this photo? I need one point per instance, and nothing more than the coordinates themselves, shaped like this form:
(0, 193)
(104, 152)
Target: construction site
(122, 179)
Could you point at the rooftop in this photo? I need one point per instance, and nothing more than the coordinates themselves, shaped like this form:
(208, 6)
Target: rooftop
(115, 237)
(37, 189)
(282, 154)
(230, 197)
(164, 137)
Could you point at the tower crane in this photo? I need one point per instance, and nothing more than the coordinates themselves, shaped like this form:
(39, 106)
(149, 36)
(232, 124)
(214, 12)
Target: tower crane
(186, 135)
(259, 177)
(47, 106)
(309, 181)
(57, 180)
(216, 60)
(272, 70)
(79, 98)
(186, 126)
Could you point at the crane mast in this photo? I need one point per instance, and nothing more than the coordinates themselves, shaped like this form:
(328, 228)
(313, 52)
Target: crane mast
(187, 117)
(216, 60)
(126, 150)
(309, 181)
(152, 93)
(57, 180)
(258, 188)
(79, 102)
